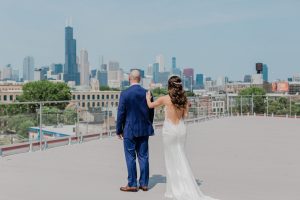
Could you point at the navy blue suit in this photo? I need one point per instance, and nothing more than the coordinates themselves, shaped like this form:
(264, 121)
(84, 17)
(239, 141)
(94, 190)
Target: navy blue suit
(134, 121)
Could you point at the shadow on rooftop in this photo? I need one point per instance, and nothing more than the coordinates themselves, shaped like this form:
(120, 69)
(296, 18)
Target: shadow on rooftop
(157, 178)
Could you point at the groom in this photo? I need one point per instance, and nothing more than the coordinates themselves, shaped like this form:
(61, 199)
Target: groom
(134, 126)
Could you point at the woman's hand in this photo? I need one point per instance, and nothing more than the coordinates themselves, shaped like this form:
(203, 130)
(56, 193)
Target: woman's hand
(148, 96)
(158, 102)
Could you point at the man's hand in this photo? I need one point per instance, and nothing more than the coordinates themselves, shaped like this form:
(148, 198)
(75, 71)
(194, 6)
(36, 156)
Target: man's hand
(120, 136)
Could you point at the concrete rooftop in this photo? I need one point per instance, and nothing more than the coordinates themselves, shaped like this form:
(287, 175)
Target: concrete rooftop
(240, 158)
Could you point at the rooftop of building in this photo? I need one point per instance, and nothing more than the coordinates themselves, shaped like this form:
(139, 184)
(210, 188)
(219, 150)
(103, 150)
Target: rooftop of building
(237, 158)
(56, 130)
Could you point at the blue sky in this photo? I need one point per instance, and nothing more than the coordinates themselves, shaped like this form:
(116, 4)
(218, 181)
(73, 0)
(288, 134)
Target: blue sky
(216, 37)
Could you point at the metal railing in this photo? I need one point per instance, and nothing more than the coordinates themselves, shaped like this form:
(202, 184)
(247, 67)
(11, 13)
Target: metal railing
(32, 145)
(32, 126)
(234, 104)
(269, 105)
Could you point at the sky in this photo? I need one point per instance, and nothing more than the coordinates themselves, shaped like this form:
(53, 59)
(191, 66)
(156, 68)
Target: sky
(215, 37)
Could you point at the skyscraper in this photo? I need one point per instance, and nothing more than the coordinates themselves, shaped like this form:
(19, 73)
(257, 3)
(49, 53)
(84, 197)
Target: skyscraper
(155, 71)
(188, 78)
(84, 67)
(296, 78)
(113, 66)
(57, 68)
(265, 73)
(102, 78)
(15, 75)
(114, 74)
(70, 69)
(44, 70)
(175, 70)
(221, 81)
(247, 78)
(37, 76)
(199, 80)
(94, 73)
(161, 62)
(102, 74)
(149, 71)
(173, 63)
(208, 79)
(7, 72)
(258, 77)
(163, 78)
(261, 75)
(28, 68)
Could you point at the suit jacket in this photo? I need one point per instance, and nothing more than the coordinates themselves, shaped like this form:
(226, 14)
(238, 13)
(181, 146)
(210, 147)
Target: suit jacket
(134, 118)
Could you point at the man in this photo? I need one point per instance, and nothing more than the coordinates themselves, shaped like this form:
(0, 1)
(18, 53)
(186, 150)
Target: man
(134, 126)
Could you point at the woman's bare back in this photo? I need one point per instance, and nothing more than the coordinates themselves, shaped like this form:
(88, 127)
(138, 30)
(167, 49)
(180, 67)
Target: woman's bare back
(171, 112)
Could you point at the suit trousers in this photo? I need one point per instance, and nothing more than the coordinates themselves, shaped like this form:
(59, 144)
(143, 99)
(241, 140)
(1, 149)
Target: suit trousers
(137, 147)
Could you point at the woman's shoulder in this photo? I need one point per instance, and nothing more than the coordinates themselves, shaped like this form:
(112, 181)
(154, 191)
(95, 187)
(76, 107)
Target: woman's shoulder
(165, 98)
(162, 100)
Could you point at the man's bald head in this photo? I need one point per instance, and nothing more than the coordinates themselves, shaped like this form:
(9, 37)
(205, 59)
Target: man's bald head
(135, 76)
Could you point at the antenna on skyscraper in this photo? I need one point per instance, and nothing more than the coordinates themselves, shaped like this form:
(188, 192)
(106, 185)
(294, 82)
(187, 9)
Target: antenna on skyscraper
(70, 22)
(100, 62)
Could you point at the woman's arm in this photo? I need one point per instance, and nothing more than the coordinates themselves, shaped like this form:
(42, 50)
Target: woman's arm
(156, 103)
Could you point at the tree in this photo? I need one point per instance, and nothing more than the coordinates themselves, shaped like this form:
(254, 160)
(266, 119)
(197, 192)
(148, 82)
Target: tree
(12, 109)
(295, 108)
(20, 124)
(278, 106)
(51, 115)
(253, 91)
(157, 92)
(70, 116)
(107, 88)
(258, 95)
(19, 117)
(281, 106)
(45, 91)
(23, 128)
(190, 94)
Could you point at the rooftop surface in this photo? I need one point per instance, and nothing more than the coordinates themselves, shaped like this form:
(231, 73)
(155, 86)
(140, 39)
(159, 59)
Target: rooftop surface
(239, 158)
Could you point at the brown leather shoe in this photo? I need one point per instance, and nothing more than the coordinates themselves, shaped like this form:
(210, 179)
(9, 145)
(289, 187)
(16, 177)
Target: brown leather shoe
(144, 188)
(129, 189)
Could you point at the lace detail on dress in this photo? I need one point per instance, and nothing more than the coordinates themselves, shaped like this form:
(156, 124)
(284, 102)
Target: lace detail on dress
(169, 120)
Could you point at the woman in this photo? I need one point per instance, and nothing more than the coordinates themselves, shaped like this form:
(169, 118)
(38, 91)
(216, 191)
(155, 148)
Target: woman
(181, 184)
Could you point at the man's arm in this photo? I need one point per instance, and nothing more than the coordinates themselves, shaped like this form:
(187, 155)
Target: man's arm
(121, 116)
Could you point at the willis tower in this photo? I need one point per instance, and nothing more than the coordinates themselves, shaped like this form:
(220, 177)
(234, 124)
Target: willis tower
(71, 68)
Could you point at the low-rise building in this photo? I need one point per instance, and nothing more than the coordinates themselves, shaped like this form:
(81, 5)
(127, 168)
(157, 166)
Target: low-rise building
(86, 97)
(9, 91)
(294, 88)
(93, 99)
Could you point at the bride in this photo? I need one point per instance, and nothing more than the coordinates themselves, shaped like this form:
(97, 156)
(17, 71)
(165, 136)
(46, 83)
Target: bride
(181, 184)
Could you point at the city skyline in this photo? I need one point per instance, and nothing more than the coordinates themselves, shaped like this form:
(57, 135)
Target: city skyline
(214, 38)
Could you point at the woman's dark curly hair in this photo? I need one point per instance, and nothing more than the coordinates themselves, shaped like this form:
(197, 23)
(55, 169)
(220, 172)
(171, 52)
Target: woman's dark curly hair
(176, 92)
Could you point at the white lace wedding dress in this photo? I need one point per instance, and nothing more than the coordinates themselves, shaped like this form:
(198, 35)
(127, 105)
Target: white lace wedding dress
(181, 183)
